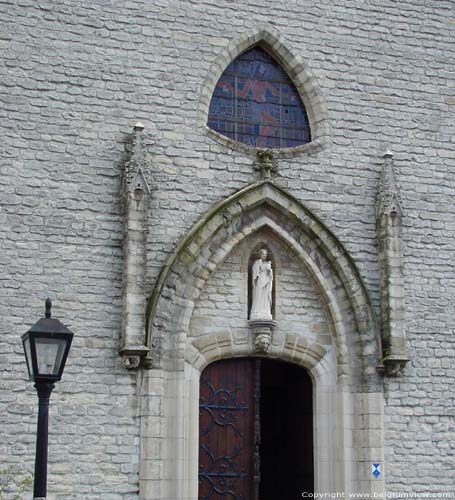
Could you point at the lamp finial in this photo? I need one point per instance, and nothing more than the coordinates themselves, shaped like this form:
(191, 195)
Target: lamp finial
(48, 307)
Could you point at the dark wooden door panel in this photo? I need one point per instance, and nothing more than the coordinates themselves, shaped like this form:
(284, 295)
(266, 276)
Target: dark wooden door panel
(226, 430)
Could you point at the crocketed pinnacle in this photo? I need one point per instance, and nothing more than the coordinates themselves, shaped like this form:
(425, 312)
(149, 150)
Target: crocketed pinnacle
(388, 200)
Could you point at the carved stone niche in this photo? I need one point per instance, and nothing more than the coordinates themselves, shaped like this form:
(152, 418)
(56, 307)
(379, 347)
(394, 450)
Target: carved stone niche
(262, 330)
(261, 297)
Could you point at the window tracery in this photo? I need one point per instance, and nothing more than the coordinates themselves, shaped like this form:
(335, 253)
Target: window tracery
(256, 103)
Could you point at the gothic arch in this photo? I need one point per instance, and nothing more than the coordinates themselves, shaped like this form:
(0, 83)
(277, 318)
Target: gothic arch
(327, 287)
(347, 391)
(212, 239)
(306, 83)
(329, 432)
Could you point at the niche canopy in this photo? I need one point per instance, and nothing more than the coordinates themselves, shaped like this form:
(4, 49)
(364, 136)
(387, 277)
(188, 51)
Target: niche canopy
(256, 103)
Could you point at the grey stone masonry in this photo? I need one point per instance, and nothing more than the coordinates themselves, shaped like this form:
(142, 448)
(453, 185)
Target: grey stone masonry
(76, 76)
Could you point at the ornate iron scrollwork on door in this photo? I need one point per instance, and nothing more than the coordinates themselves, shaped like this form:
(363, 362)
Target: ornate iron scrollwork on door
(223, 475)
(226, 431)
(223, 406)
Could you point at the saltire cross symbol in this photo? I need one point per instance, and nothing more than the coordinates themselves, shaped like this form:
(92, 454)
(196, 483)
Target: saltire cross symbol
(376, 470)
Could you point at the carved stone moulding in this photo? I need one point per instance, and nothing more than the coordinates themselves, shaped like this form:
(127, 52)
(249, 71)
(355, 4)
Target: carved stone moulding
(265, 163)
(262, 330)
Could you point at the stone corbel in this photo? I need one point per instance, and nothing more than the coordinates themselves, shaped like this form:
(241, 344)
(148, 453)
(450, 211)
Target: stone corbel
(262, 330)
(131, 357)
(392, 366)
(136, 195)
(388, 226)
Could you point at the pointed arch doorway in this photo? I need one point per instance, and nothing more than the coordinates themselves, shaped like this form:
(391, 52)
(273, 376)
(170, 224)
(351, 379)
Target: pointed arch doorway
(255, 430)
(348, 399)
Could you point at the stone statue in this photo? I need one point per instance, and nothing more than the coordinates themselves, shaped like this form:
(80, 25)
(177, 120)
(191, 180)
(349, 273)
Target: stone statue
(262, 288)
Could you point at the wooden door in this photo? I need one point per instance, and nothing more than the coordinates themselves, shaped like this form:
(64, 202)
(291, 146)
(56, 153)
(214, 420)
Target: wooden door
(226, 430)
(255, 431)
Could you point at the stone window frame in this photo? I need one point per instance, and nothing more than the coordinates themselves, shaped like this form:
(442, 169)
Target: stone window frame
(298, 71)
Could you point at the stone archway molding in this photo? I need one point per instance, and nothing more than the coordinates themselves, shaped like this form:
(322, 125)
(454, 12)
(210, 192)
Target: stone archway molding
(330, 431)
(202, 351)
(197, 256)
(347, 391)
(298, 70)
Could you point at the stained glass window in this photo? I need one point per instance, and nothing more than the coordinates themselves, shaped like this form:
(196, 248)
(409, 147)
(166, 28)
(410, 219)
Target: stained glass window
(255, 102)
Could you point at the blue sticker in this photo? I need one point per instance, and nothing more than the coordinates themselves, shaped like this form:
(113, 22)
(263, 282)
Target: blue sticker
(376, 470)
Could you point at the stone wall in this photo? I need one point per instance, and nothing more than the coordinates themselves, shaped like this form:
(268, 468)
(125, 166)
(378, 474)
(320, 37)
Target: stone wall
(75, 78)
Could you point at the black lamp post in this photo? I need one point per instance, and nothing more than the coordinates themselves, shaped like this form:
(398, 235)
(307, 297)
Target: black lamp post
(46, 347)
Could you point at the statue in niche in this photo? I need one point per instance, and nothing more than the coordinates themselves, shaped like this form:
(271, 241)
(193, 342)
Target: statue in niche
(262, 278)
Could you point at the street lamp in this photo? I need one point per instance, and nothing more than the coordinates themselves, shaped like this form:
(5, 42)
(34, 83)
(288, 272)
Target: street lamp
(46, 347)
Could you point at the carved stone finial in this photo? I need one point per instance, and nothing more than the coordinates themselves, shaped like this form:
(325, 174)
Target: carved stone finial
(134, 176)
(388, 200)
(137, 150)
(138, 127)
(265, 163)
(388, 154)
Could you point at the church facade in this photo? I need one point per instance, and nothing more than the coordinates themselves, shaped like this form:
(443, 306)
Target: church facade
(244, 211)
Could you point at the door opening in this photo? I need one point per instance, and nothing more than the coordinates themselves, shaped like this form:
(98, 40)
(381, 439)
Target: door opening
(286, 432)
(255, 431)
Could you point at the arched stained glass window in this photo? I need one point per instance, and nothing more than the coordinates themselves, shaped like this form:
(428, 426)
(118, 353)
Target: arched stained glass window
(255, 102)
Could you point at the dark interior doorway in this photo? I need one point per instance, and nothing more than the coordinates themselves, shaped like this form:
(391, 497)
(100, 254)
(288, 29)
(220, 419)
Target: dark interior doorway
(286, 449)
(255, 431)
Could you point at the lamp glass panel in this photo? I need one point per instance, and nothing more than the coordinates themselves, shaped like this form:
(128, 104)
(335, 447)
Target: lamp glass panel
(49, 354)
(28, 356)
